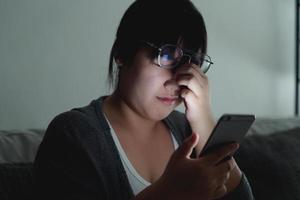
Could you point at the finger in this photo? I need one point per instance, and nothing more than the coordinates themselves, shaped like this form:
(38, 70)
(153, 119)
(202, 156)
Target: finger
(191, 69)
(188, 95)
(185, 150)
(198, 69)
(192, 83)
(190, 99)
(226, 166)
(219, 154)
(225, 178)
(197, 85)
(220, 192)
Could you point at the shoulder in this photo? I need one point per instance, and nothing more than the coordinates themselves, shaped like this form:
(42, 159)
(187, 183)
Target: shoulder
(69, 120)
(80, 123)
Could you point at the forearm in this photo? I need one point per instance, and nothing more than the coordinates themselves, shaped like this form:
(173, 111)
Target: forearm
(203, 130)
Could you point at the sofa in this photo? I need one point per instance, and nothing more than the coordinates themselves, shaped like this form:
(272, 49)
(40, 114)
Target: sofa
(269, 156)
(17, 153)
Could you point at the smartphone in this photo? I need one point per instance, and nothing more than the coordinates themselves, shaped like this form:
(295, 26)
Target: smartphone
(230, 128)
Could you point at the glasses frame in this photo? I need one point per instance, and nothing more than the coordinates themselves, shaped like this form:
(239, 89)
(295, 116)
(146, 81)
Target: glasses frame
(183, 54)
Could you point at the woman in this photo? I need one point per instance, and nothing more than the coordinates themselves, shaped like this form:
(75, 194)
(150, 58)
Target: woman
(132, 144)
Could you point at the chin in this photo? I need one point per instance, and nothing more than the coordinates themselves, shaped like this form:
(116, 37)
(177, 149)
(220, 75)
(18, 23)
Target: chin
(161, 114)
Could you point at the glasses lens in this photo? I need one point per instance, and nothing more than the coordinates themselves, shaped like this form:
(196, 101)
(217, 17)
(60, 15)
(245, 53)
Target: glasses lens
(170, 56)
(202, 60)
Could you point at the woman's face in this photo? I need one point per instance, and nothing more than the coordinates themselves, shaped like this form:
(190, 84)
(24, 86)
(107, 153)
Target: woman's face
(149, 90)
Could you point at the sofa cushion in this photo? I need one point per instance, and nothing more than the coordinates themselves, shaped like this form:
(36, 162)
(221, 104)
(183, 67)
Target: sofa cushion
(266, 126)
(272, 164)
(19, 146)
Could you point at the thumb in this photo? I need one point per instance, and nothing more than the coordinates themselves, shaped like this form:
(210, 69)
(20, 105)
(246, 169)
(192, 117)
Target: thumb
(186, 148)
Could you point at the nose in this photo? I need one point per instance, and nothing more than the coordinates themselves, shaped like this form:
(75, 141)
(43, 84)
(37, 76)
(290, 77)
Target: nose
(172, 87)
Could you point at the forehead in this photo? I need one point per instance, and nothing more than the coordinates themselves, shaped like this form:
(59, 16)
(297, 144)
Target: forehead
(187, 47)
(181, 46)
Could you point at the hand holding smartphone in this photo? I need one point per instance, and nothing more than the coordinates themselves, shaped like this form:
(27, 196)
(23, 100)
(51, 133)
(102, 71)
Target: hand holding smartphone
(230, 128)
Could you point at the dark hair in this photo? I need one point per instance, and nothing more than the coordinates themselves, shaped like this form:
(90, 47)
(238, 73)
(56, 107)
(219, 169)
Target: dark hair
(158, 22)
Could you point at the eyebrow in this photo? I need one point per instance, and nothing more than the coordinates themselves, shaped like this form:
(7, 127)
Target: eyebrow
(190, 52)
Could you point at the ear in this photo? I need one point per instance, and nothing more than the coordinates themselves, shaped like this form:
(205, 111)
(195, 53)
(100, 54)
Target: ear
(119, 61)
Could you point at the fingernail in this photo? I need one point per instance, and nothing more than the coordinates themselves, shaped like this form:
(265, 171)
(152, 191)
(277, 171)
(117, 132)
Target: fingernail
(235, 146)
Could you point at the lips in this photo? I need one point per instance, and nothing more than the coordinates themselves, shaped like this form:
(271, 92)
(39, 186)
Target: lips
(168, 100)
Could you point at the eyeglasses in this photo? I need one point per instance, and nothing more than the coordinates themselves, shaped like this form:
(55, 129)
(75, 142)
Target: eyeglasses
(171, 56)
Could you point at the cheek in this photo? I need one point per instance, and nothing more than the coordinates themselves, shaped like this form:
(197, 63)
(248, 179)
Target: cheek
(145, 89)
(150, 79)
(147, 86)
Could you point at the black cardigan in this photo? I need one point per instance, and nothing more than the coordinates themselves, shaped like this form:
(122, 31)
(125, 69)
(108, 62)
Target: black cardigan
(78, 159)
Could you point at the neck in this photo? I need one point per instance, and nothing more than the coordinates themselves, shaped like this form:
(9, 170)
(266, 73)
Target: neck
(121, 114)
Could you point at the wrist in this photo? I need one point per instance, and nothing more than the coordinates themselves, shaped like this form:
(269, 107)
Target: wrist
(202, 117)
(203, 128)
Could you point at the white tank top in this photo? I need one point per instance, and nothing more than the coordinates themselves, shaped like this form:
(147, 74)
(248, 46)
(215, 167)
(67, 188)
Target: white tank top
(137, 182)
